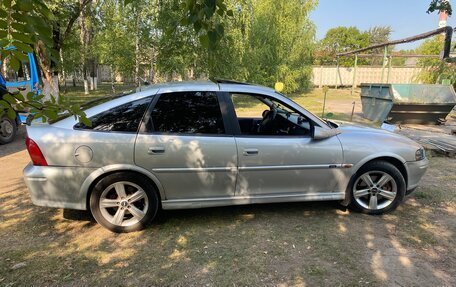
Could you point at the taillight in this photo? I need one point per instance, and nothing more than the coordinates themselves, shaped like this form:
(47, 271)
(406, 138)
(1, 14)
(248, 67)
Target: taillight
(35, 153)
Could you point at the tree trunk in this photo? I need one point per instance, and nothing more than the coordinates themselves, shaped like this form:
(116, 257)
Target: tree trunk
(152, 66)
(91, 75)
(50, 87)
(137, 79)
(84, 38)
(4, 68)
(49, 78)
(74, 79)
(111, 73)
(62, 76)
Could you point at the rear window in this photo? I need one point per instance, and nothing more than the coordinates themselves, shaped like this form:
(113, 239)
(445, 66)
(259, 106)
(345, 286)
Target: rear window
(123, 118)
(88, 105)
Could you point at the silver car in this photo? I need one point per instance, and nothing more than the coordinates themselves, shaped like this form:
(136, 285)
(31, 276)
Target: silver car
(205, 144)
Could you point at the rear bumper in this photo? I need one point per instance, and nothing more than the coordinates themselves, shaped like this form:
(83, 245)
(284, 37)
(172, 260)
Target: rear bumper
(57, 186)
(415, 170)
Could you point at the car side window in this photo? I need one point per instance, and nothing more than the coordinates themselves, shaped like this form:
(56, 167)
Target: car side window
(123, 118)
(265, 116)
(188, 113)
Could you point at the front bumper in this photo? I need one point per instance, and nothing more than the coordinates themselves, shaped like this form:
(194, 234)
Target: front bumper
(415, 171)
(57, 186)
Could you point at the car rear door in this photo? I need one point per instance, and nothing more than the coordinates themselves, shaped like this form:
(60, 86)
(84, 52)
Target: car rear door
(185, 142)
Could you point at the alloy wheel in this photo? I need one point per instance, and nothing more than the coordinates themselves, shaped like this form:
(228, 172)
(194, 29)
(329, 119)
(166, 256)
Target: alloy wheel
(375, 190)
(123, 203)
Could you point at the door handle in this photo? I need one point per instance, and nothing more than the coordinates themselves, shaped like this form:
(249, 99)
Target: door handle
(250, 151)
(156, 150)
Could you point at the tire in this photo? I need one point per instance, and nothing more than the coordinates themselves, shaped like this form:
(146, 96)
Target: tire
(385, 191)
(8, 129)
(124, 202)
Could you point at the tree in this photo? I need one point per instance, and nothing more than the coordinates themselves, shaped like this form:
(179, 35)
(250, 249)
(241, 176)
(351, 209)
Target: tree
(281, 45)
(114, 25)
(26, 25)
(440, 5)
(205, 17)
(342, 39)
(65, 14)
(377, 35)
(435, 70)
(260, 41)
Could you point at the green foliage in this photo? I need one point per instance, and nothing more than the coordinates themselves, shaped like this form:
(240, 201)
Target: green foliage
(27, 25)
(206, 17)
(378, 35)
(178, 48)
(264, 41)
(440, 5)
(280, 44)
(345, 39)
(435, 70)
(41, 109)
(23, 24)
(114, 44)
(66, 38)
(342, 39)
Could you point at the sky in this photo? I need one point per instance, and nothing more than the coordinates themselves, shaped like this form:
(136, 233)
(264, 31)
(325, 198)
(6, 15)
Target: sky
(406, 17)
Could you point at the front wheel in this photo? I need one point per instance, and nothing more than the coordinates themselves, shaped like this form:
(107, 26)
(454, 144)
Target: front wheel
(8, 129)
(124, 202)
(377, 188)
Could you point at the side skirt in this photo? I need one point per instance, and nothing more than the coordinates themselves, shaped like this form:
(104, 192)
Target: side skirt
(242, 200)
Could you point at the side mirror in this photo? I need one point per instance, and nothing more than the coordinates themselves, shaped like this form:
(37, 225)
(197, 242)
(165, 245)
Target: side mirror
(320, 133)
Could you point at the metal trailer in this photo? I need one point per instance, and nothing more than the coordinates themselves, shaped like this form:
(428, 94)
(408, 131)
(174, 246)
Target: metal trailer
(407, 103)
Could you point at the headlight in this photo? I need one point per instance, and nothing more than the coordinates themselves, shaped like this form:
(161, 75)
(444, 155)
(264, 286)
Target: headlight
(420, 154)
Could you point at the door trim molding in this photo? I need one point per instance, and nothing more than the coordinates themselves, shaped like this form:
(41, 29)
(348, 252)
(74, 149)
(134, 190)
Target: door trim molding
(291, 167)
(194, 169)
(251, 168)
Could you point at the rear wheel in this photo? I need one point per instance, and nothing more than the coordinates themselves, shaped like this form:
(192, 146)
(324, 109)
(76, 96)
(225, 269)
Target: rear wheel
(8, 129)
(377, 188)
(124, 202)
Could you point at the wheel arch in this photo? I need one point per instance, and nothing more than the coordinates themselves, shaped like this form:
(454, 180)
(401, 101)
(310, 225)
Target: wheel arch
(393, 159)
(99, 174)
(400, 165)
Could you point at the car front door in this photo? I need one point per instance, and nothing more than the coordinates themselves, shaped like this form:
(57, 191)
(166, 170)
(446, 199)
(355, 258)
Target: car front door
(184, 142)
(283, 162)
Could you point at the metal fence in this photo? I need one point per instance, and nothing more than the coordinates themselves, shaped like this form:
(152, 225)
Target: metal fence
(331, 76)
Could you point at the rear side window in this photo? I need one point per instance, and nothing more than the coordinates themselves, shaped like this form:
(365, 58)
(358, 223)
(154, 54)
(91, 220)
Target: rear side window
(188, 112)
(123, 118)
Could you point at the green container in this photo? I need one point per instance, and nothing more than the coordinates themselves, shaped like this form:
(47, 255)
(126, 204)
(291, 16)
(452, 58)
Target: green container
(407, 103)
